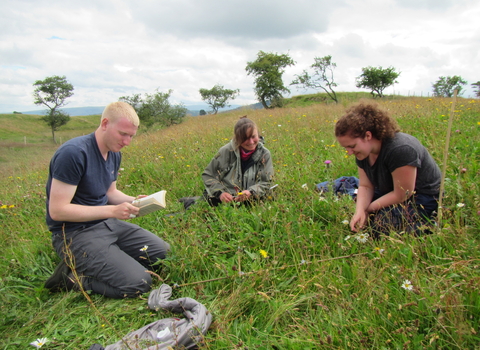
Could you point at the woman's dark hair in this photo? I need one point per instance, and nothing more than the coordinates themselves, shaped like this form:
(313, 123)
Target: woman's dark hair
(366, 116)
(243, 130)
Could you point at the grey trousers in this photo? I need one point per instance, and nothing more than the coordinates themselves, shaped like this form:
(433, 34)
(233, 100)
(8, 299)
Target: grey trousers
(112, 257)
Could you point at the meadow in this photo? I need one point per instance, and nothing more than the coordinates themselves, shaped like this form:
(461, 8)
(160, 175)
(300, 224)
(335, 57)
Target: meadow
(284, 274)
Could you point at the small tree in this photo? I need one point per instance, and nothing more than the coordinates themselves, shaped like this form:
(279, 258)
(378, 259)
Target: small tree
(476, 88)
(377, 79)
(52, 92)
(202, 112)
(445, 86)
(156, 109)
(322, 77)
(217, 97)
(268, 69)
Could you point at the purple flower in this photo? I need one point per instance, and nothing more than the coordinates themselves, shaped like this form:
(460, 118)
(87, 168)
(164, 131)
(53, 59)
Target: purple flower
(327, 162)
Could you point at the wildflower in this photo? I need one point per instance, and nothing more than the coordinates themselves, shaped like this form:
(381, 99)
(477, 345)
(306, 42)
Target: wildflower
(407, 285)
(302, 261)
(463, 171)
(460, 205)
(263, 253)
(327, 162)
(380, 250)
(305, 186)
(347, 238)
(279, 125)
(39, 342)
(362, 237)
(144, 249)
(345, 222)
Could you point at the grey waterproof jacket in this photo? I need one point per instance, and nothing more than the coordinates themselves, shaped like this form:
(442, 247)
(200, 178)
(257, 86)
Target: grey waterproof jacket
(170, 332)
(224, 173)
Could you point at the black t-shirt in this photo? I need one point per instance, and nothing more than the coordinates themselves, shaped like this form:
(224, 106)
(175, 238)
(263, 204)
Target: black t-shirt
(79, 162)
(402, 150)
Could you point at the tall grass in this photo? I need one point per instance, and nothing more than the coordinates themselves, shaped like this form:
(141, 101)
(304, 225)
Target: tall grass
(315, 289)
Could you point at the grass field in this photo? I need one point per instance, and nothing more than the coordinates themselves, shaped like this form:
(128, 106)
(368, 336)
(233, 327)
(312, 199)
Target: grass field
(314, 289)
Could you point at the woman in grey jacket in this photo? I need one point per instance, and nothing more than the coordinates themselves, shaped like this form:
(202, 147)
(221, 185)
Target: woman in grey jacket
(241, 170)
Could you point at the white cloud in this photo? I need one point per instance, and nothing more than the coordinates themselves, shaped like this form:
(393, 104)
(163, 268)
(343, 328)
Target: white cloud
(108, 49)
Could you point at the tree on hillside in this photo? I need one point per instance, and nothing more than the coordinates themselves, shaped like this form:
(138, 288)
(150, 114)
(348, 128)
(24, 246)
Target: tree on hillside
(445, 86)
(377, 79)
(217, 97)
(268, 70)
(53, 92)
(322, 77)
(156, 108)
(476, 88)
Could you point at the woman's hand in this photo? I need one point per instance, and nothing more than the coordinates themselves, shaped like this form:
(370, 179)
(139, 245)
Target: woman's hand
(358, 221)
(243, 196)
(226, 197)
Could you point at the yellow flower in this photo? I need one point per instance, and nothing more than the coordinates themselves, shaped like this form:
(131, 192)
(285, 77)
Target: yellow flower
(263, 253)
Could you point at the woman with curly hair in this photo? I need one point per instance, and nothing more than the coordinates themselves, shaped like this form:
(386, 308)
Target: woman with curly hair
(399, 180)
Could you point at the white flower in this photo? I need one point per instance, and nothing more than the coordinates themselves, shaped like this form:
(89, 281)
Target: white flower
(305, 186)
(347, 238)
(407, 285)
(345, 222)
(460, 205)
(380, 250)
(279, 125)
(39, 342)
(144, 249)
(362, 237)
(303, 261)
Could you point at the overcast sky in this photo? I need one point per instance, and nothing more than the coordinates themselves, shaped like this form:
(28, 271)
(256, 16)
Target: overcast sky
(113, 48)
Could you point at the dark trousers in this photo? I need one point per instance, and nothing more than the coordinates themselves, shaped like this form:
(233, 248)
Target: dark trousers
(413, 216)
(110, 258)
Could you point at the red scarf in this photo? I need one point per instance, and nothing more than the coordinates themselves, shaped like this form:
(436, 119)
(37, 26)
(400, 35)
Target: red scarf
(245, 155)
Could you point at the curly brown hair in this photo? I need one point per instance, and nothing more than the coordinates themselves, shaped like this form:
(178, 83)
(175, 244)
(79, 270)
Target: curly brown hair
(243, 130)
(366, 116)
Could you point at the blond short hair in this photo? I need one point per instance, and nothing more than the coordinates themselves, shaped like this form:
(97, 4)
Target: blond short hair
(117, 110)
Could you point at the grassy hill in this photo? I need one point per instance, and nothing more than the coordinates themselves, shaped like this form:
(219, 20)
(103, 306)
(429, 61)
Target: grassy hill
(318, 287)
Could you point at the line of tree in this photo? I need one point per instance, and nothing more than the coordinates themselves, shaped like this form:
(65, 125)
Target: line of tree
(268, 70)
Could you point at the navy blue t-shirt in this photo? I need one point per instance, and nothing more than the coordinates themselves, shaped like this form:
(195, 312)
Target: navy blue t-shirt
(79, 162)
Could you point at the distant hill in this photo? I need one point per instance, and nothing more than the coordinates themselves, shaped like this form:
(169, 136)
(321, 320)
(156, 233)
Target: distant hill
(73, 111)
(193, 110)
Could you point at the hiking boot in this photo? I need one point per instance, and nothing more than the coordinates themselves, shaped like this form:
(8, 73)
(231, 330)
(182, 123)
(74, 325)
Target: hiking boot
(189, 201)
(60, 279)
